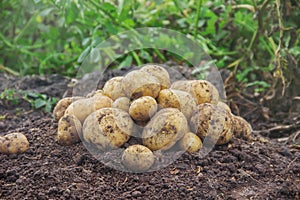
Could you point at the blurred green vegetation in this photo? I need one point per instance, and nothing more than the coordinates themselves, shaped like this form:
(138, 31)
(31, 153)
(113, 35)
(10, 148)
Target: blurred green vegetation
(255, 39)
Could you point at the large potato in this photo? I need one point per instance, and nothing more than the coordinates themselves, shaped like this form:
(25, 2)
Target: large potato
(143, 108)
(83, 107)
(241, 128)
(122, 103)
(190, 142)
(160, 73)
(113, 88)
(137, 158)
(69, 130)
(202, 90)
(184, 101)
(13, 143)
(140, 83)
(107, 128)
(62, 105)
(212, 122)
(165, 128)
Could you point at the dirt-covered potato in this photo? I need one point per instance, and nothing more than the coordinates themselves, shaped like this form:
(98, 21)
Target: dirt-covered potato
(190, 142)
(69, 130)
(241, 128)
(107, 128)
(62, 105)
(140, 83)
(83, 107)
(203, 91)
(160, 73)
(164, 129)
(143, 108)
(94, 93)
(137, 158)
(13, 143)
(224, 105)
(113, 88)
(122, 103)
(212, 122)
(184, 101)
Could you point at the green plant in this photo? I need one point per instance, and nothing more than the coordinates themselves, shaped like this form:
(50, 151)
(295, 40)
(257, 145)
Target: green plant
(36, 100)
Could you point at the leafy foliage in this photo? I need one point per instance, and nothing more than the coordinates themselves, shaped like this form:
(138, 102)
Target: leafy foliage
(36, 100)
(257, 40)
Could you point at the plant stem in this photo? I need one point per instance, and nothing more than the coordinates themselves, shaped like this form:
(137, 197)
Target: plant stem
(199, 5)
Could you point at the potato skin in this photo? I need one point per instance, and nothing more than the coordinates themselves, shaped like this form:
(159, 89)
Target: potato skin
(13, 143)
(212, 122)
(137, 158)
(69, 130)
(122, 103)
(224, 106)
(203, 91)
(139, 83)
(190, 142)
(62, 105)
(241, 128)
(113, 88)
(94, 93)
(164, 129)
(83, 107)
(160, 73)
(107, 128)
(143, 108)
(184, 101)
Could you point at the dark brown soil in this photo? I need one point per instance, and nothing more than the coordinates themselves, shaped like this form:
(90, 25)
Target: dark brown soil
(239, 170)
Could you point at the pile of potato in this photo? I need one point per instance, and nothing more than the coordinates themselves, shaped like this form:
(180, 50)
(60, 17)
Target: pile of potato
(183, 112)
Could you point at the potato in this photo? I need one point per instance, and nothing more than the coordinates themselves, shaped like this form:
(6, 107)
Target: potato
(212, 122)
(165, 128)
(69, 130)
(202, 90)
(94, 93)
(137, 158)
(160, 73)
(183, 101)
(143, 108)
(107, 128)
(241, 128)
(224, 106)
(190, 142)
(113, 88)
(140, 83)
(13, 143)
(83, 107)
(62, 105)
(122, 103)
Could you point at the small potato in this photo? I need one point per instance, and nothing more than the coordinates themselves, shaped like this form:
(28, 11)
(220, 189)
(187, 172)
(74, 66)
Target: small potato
(212, 122)
(143, 108)
(113, 88)
(122, 103)
(190, 143)
(83, 107)
(160, 73)
(137, 158)
(69, 130)
(62, 105)
(203, 91)
(165, 128)
(224, 106)
(184, 101)
(139, 83)
(241, 128)
(94, 93)
(107, 128)
(13, 143)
